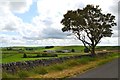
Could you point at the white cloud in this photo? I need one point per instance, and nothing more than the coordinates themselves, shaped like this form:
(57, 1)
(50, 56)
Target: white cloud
(7, 40)
(52, 14)
(115, 33)
(9, 22)
(113, 41)
(46, 26)
(19, 6)
(54, 33)
(28, 30)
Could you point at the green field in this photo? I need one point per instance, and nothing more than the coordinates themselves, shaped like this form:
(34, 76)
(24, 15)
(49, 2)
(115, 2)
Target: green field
(6, 58)
(15, 55)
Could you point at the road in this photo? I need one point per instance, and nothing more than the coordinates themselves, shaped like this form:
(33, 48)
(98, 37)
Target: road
(109, 70)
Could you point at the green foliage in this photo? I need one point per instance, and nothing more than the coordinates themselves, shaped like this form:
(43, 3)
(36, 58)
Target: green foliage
(73, 50)
(47, 47)
(24, 55)
(89, 20)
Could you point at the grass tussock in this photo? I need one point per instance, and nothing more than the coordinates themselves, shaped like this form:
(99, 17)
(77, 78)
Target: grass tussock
(40, 70)
(56, 67)
(7, 75)
(23, 74)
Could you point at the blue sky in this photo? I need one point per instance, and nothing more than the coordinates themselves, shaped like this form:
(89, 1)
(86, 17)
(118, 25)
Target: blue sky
(37, 23)
(28, 15)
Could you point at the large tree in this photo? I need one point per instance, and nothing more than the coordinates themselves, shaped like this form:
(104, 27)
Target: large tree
(89, 25)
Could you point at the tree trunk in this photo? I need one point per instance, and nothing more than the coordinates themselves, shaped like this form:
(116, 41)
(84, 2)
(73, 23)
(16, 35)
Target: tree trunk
(93, 51)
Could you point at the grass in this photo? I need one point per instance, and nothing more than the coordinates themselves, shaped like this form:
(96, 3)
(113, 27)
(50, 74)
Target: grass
(6, 58)
(63, 66)
(40, 70)
(56, 67)
(111, 57)
(107, 47)
(23, 74)
(15, 56)
(41, 49)
(79, 68)
(77, 48)
(7, 75)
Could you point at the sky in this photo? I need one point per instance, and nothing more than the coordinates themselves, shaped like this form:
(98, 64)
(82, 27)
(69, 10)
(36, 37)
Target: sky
(37, 22)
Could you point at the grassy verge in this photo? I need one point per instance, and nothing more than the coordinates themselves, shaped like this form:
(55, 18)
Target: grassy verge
(65, 69)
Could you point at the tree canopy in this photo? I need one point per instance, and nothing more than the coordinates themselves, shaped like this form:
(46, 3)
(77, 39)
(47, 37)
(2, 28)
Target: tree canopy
(89, 25)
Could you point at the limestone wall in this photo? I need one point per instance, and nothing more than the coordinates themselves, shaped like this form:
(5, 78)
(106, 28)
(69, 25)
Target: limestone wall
(26, 65)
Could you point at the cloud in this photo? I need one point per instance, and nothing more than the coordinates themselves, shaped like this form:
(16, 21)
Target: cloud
(10, 22)
(54, 33)
(114, 7)
(109, 41)
(9, 27)
(115, 33)
(45, 28)
(7, 40)
(18, 6)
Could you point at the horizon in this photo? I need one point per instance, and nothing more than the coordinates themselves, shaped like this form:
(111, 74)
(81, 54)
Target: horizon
(59, 46)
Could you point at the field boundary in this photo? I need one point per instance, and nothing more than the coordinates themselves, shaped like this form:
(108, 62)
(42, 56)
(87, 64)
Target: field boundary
(26, 65)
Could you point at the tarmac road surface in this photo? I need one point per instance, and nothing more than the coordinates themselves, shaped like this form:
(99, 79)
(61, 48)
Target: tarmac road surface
(109, 70)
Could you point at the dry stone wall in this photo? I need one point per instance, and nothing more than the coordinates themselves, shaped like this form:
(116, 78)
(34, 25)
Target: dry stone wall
(26, 65)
